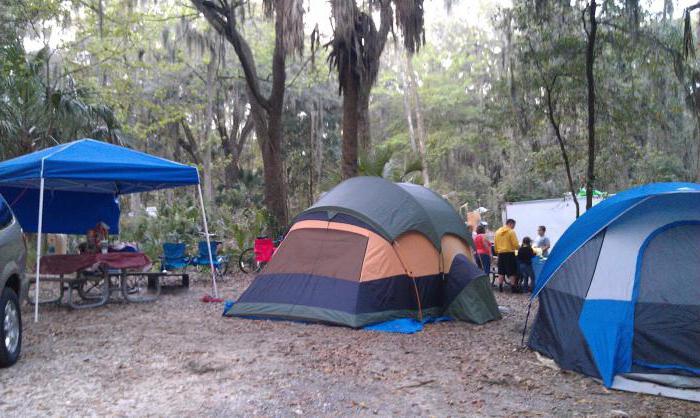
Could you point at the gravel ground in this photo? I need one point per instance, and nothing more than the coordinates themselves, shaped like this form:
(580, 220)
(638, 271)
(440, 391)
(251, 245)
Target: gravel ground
(180, 357)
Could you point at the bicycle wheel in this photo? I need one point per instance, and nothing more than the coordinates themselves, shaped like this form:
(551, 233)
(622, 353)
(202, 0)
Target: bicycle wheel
(221, 265)
(247, 263)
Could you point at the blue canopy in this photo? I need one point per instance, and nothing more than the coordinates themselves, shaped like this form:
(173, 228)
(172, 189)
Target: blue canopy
(82, 182)
(599, 217)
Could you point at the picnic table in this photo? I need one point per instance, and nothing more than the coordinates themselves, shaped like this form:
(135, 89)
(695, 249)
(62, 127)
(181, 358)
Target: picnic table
(96, 276)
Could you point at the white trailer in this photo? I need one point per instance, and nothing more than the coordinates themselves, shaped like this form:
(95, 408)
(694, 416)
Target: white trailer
(555, 214)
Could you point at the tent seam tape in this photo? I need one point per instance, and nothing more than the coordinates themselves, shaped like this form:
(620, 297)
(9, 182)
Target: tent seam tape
(600, 250)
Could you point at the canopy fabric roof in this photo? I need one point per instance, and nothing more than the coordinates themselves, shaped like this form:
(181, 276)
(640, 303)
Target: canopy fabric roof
(393, 208)
(82, 182)
(599, 217)
(88, 165)
(64, 212)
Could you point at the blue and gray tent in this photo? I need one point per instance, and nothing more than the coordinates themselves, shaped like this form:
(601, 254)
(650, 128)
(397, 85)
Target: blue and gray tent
(620, 293)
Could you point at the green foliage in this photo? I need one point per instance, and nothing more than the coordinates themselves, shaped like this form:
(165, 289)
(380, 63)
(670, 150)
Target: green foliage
(181, 221)
(386, 161)
(137, 74)
(34, 114)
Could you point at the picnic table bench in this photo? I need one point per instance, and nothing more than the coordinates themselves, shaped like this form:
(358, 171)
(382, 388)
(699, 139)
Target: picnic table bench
(95, 277)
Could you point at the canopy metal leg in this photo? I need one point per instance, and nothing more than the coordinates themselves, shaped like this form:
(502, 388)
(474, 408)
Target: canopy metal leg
(38, 249)
(206, 233)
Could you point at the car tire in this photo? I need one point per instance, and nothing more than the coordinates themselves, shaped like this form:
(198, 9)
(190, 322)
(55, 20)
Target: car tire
(10, 328)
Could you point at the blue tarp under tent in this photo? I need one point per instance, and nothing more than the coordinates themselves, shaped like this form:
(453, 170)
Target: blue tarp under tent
(619, 295)
(71, 187)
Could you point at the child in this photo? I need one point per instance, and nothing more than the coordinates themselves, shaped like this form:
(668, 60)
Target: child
(525, 255)
(483, 249)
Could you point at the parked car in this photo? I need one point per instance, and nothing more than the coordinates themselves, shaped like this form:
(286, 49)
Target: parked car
(13, 285)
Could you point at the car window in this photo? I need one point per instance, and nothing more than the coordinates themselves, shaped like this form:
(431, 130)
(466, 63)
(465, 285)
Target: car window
(5, 214)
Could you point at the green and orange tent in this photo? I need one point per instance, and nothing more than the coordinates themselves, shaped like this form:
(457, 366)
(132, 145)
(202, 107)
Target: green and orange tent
(370, 251)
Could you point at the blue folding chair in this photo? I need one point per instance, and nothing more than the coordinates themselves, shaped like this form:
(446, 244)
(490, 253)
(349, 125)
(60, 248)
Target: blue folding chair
(202, 259)
(174, 257)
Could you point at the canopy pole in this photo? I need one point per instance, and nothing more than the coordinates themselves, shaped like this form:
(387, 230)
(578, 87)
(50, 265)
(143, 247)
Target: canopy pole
(206, 233)
(38, 249)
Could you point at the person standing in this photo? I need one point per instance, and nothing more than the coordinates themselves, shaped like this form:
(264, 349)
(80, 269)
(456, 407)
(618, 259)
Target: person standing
(525, 256)
(506, 243)
(483, 249)
(542, 242)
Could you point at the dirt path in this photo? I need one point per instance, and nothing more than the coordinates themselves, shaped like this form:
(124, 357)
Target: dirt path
(179, 357)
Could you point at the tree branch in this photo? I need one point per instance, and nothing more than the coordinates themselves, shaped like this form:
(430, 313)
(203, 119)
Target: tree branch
(245, 133)
(191, 144)
(303, 66)
(222, 20)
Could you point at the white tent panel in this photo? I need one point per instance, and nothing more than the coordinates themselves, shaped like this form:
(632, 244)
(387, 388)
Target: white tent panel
(555, 214)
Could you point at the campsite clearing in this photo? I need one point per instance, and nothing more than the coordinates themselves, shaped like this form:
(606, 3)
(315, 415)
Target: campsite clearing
(179, 357)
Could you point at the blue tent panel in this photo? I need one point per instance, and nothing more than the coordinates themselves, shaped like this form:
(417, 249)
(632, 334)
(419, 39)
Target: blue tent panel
(603, 324)
(64, 212)
(597, 218)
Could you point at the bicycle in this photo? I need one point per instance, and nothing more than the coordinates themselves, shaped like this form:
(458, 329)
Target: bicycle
(254, 259)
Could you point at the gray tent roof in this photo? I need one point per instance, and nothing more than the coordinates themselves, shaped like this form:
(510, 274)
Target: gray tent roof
(393, 208)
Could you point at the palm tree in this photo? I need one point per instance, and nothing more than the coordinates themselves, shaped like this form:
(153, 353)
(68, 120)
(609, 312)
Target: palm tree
(356, 48)
(382, 162)
(34, 115)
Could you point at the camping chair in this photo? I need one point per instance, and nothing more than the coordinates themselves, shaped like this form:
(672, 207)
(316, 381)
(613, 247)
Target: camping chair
(202, 259)
(174, 257)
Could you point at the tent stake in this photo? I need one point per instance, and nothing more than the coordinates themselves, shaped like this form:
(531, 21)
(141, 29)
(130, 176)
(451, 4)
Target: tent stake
(206, 233)
(38, 248)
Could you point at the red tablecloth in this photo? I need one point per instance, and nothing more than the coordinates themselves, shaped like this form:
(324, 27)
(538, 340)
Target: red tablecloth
(70, 263)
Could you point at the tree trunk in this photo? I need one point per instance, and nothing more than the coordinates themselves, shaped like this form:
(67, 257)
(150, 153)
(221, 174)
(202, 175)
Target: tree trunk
(590, 81)
(350, 123)
(266, 112)
(364, 139)
(420, 127)
(564, 154)
(209, 114)
(101, 26)
(409, 112)
(319, 143)
(271, 144)
(233, 141)
(311, 155)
